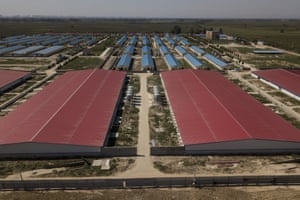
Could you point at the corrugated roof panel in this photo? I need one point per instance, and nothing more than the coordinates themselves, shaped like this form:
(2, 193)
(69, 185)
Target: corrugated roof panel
(146, 50)
(122, 40)
(185, 42)
(91, 41)
(208, 108)
(76, 109)
(193, 60)
(172, 61)
(197, 50)
(181, 50)
(145, 41)
(164, 50)
(27, 50)
(129, 50)
(49, 50)
(9, 49)
(147, 61)
(215, 60)
(124, 61)
(286, 79)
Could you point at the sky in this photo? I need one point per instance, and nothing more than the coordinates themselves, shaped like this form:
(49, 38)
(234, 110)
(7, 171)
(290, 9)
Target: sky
(154, 8)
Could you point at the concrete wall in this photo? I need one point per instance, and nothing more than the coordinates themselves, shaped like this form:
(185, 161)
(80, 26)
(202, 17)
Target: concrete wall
(118, 151)
(245, 147)
(39, 150)
(167, 151)
(45, 150)
(90, 184)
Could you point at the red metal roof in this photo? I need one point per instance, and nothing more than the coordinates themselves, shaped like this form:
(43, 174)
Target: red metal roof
(287, 79)
(209, 108)
(76, 109)
(9, 76)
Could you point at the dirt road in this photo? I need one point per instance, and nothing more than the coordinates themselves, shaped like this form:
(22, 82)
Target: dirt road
(143, 166)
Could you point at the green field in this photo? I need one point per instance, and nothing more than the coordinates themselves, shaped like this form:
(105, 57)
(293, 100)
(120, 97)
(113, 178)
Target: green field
(279, 33)
(15, 27)
(83, 63)
(98, 49)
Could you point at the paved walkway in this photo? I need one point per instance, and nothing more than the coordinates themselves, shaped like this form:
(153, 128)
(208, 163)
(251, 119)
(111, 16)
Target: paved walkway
(143, 164)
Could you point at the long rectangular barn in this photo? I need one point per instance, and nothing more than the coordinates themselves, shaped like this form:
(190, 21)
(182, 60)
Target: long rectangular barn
(287, 81)
(71, 116)
(11, 78)
(214, 116)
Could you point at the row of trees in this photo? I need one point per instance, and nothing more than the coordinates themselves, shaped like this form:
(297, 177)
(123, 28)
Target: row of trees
(177, 30)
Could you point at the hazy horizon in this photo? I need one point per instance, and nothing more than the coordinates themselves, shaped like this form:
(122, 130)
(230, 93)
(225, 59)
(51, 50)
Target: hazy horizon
(272, 9)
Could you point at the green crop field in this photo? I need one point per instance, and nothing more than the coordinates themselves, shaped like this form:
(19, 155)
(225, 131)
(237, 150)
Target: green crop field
(15, 27)
(83, 63)
(280, 33)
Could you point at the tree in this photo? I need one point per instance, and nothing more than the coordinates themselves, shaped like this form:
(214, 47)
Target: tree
(176, 29)
(192, 30)
(221, 30)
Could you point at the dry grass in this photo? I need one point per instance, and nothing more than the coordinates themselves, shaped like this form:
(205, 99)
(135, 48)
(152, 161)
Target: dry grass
(234, 165)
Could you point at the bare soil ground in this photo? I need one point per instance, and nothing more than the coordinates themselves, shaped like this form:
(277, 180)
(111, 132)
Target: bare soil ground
(229, 165)
(161, 65)
(245, 193)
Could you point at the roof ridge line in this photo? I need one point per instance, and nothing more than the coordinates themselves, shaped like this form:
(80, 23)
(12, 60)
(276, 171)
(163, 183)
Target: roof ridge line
(62, 105)
(294, 74)
(224, 107)
(209, 128)
(31, 113)
(94, 97)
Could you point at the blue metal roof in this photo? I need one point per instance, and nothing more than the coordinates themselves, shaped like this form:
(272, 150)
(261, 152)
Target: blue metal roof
(181, 50)
(177, 38)
(1, 46)
(146, 50)
(172, 61)
(133, 40)
(122, 40)
(51, 41)
(76, 41)
(145, 40)
(193, 60)
(19, 41)
(267, 51)
(129, 50)
(91, 42)
(64, 40)
(147, 61)
(170, 40)
(197, 49)
(124, 61)
(9, 49)
(185, 42)
(49, 50)
(158, 40)
(215, 60)
(14, 37)
(27, 50)
(164, 50)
